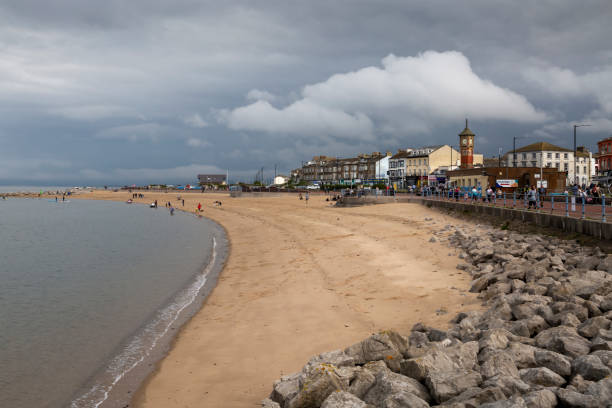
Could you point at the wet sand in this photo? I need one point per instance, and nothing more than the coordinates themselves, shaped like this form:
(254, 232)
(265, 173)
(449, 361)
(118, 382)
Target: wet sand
(301, 279)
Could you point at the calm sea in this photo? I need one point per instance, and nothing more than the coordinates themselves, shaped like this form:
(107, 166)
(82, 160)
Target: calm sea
(90, 293)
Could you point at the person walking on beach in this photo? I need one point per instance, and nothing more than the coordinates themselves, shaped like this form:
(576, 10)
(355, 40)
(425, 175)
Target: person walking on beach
(183, 202)
(306, 197)
(199, 207)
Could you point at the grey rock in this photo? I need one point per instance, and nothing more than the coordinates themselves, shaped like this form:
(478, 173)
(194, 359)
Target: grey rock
(342, 399)
(590, 368)
(541, 376)
(362, 382)
(605, 356)
(541, 399)
(602, 391)
(285, 389)
(389, 383)
(564, 340)
(474, 397)
(404, 400)
(569, 398)
(522, 354)
(590, 328)
(462, 356)
(507, 384)
(558, 363)
(498, 363)
(337, 358)
(495, 339)
(446, 385)
(316, 386)
(514, 402)
(387, 346)
(268, 403)
(579, 384)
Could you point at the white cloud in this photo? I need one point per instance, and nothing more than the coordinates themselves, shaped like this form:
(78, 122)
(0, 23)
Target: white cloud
(257, 95)
(405, 94)
(195, 121)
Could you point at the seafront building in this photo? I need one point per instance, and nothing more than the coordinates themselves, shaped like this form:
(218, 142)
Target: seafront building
(425, 166)
(548, 155)
(363, 169)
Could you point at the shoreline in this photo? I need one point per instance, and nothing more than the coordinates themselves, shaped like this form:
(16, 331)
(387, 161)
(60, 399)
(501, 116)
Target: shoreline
(125, 384)
(294, 285)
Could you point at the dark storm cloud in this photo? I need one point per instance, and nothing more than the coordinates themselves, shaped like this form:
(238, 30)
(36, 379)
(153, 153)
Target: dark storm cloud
(118, 92)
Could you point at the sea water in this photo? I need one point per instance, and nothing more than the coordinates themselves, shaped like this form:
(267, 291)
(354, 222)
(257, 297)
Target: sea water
(88, 289)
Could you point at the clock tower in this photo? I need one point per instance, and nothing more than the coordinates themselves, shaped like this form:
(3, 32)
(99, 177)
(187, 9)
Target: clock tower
(466, 144)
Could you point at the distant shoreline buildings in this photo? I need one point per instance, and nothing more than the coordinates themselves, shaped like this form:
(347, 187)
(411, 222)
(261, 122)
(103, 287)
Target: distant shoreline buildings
(542, 164)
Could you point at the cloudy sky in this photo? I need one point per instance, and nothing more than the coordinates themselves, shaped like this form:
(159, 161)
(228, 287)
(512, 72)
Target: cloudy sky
(117, 92)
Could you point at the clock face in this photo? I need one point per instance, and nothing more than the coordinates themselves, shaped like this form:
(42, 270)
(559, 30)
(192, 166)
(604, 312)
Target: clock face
(470, 141)
(464, 142)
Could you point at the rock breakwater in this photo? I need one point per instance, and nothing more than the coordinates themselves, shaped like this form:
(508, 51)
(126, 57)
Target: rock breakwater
(544, 339)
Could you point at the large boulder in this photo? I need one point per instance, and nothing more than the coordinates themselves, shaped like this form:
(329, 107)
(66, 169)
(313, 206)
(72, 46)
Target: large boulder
(387, 346)
(569, 398)
(343, 399)
(602, 391)
(498, 363)
(473, 397)
(590, 328)
(541, 376)
(558, 363)
(315, 386)
(541, 399)
(590, 368)
(389, 383)
(523, 355)
(285, 389)
(564, 340)
(447, 371)
(404, 400)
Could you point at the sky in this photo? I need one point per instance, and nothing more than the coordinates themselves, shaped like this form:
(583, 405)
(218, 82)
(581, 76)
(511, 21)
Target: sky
(150, 91)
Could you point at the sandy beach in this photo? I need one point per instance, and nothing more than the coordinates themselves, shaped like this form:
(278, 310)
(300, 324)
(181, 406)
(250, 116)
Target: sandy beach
(301, 279)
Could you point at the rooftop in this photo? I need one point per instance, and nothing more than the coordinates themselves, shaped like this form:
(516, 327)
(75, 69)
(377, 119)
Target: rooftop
(540, 146)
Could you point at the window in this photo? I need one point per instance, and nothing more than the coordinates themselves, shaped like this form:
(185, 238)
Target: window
(557, 166)
(533, 155)
(523, 164)
(401, 163)
(549, 155)
(524, 155)
(534, 164)
(577, 170)
(556, 155)
(565, 166)
(419, 162)
(565, 155)
(584, 170)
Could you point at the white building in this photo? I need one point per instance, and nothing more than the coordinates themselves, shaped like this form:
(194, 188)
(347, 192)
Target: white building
(543, 154)
(382, 168)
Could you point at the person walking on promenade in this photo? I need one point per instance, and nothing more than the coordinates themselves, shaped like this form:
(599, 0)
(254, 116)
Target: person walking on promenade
(531, 196)
(489, 194)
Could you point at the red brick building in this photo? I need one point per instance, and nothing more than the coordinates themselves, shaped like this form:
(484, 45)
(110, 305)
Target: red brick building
(603, 162)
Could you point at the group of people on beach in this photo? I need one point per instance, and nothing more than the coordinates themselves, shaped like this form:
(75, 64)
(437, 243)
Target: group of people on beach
(137, 195)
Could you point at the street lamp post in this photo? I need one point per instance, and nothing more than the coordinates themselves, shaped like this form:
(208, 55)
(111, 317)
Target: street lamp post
(575, 174)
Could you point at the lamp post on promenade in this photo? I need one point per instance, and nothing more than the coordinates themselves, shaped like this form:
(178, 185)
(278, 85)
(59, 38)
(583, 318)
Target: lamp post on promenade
(575, 174)
(513, 152)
